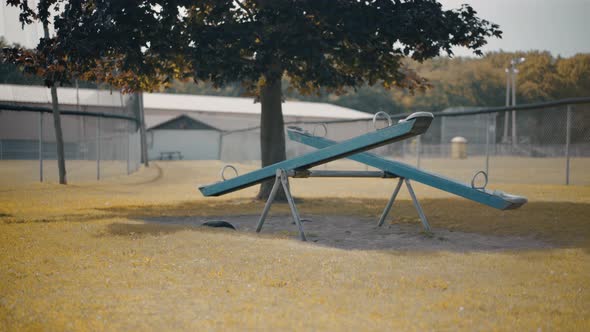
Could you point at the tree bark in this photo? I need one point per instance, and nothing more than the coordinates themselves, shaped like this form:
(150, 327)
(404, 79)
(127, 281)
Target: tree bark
(142, 131)
(272, 133)
(59, 140)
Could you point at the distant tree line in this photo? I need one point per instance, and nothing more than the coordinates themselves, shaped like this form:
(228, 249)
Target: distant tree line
(460, 81)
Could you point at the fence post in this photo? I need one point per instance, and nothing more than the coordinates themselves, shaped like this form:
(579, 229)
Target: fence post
(40, 146)
(488, 129)
(128, 153)
(418, 148)
(442, 137)
(367, 130)
(568, 125)
(514, 138)
(220, 147)
(98, 149)
(506, 114)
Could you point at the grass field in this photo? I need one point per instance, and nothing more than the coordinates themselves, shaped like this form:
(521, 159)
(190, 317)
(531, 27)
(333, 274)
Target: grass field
(18, 172)
(85, 257)
(502, 169)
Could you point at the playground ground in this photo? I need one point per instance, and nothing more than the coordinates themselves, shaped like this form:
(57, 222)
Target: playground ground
(127, 254)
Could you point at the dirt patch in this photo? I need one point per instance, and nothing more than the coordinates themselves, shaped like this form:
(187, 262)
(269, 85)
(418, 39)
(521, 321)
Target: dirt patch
(350, 232)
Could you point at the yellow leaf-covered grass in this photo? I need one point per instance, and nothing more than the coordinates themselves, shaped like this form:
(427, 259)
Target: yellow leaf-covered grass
(81, 257)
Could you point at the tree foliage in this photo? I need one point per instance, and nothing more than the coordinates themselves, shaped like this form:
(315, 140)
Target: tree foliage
(318, 44)
(453, 82)
(482, 81)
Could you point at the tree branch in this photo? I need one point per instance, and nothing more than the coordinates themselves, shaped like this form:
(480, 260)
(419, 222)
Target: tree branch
(248, 12)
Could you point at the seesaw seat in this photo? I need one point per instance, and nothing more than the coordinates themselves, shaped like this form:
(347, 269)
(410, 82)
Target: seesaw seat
(517, 201)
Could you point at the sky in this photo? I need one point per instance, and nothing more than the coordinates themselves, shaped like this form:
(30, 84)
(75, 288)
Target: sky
(561, 27)
(11, 29)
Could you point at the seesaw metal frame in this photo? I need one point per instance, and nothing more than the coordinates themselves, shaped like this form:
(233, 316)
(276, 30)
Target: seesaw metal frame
(282, 180)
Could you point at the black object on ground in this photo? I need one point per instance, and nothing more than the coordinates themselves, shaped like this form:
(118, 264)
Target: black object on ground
(218, 223)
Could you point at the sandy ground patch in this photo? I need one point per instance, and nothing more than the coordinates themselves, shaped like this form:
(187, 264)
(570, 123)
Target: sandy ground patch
(349, 232)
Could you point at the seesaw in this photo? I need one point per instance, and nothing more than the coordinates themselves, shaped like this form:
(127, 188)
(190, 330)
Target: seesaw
(415, 124)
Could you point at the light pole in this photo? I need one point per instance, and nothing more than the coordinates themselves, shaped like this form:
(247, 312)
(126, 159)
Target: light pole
(512, 70)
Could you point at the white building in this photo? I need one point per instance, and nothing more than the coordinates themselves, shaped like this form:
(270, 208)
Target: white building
(183, 138)
(232, 117)
(212, 120)
(232, 113)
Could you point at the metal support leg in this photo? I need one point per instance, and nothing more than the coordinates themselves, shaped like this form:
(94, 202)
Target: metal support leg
(417, 205)
(390, 203)
(271, 198)
(282, 179)
(294, 212)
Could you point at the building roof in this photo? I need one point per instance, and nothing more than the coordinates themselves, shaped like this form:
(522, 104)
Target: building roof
(236, 105)
(181, 122)
(173, 102)
(66, 96)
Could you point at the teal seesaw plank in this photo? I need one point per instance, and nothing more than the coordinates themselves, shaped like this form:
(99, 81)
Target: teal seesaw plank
(412, 127)
(496, 199)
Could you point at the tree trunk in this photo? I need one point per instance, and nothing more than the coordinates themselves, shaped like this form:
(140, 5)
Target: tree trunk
(142, 130)
(272, 133)
(59, 140)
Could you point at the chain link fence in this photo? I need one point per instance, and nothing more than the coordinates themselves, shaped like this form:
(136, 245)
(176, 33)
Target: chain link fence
(101, 138)
(548, 143)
